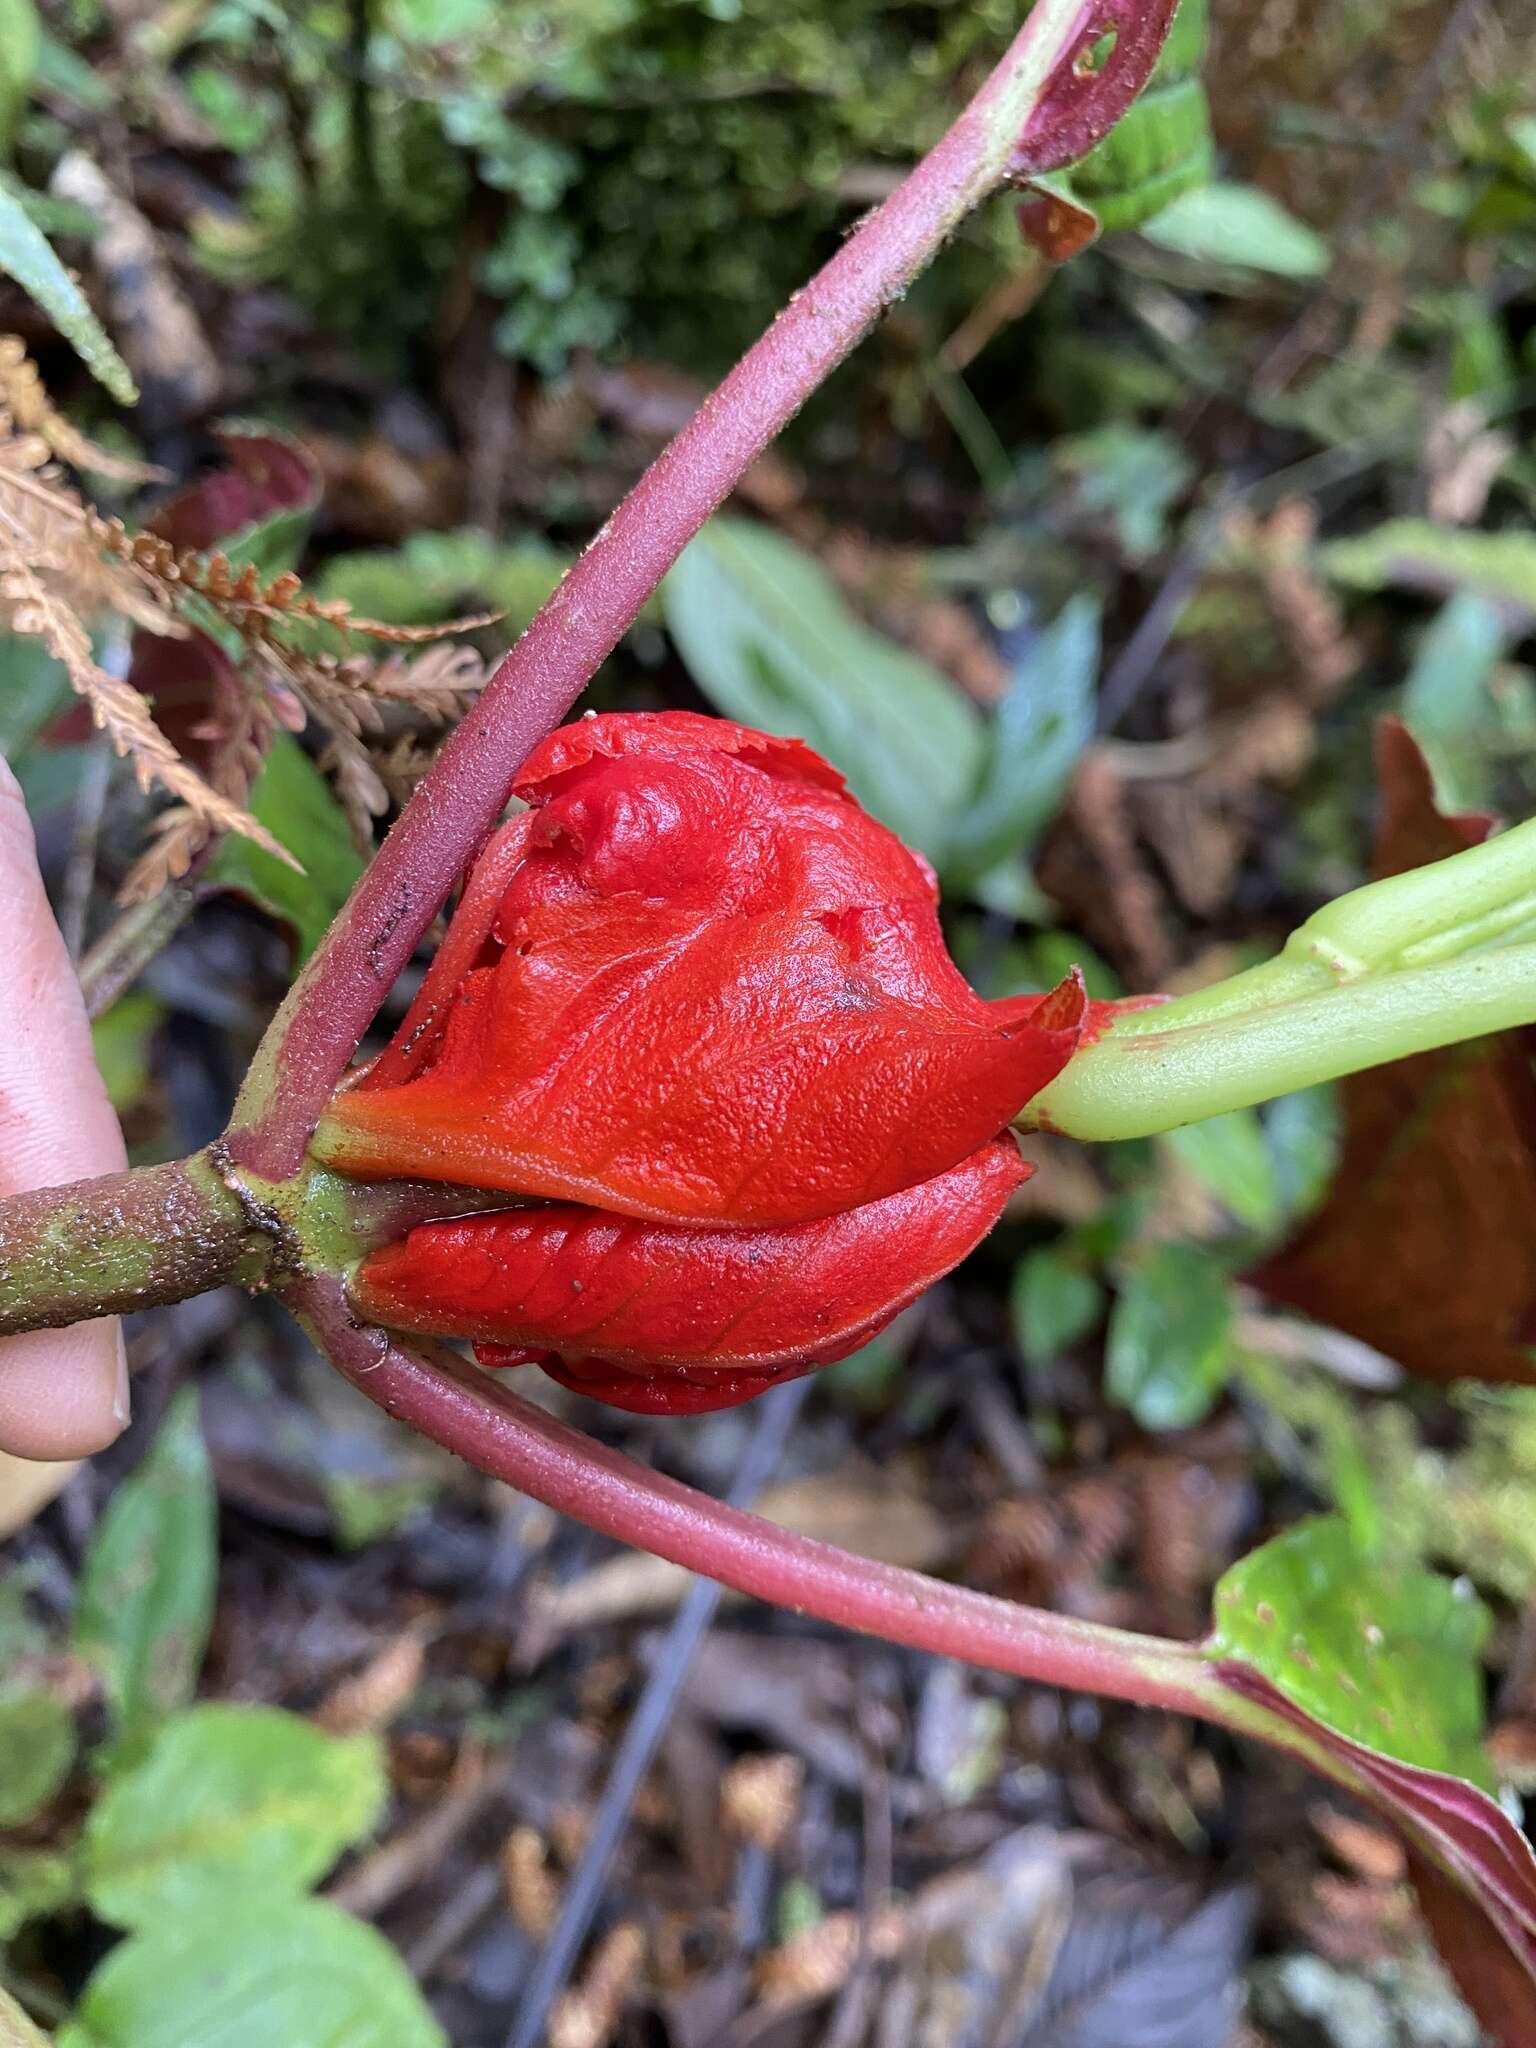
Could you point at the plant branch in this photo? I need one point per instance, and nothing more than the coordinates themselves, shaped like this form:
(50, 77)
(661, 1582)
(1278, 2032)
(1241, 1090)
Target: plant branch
(126, 1241)
(1133, 1083)
(464, 1410)
(1037, 110)
(1404, 965)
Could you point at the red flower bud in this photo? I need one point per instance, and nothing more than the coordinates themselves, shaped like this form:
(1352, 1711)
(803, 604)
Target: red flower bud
(693, 985)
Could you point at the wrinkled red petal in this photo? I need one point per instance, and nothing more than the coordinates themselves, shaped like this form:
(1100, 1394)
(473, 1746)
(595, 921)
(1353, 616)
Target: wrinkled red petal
(613, 1299)
(722, 997)
(667, 734)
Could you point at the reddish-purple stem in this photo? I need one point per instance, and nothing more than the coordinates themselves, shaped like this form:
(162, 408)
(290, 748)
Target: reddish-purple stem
(1035, 111)
(468, 1413)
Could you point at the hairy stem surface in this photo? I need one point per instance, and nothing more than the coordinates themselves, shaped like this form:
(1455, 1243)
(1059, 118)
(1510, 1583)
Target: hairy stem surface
(122, 1242)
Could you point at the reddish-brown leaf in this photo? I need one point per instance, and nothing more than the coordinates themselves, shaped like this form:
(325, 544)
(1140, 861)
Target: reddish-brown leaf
(265, 474)
(1472, 1867)
(1426, 1246)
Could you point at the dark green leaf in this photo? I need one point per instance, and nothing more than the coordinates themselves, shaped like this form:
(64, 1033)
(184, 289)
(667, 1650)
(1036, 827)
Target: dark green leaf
(1054, 1300)
(250, 1802)
(147, 1587)
(272, 1975)
(769, 641)
(1169, 1336)
(1384, 1651)
(26, 256)
(1161, 147)
(1040, 729)
(37, 1747)
(33, 689)
(293, 800)
(433, 576)
(122, 1038)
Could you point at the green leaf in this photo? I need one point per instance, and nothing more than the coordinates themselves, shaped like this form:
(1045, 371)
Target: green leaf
(1228, 1155)
(33, 688)
(1130, 476)
(33, 1884)
(26, 256)
(270, 1975)
(252, 1802)
(16, 2027)
(121, 1039)
(21, 37)
(1169, 1336)
(1447, 703)
(1416, 554)
(1383, 1650)
(432, 576)
(1161, 147)
(147, 1587)
(293, 800)
(1054, 1301)
(1302, 1132)
(37, 1743)
(1239, 225)
(767, 638)
(1039, 731)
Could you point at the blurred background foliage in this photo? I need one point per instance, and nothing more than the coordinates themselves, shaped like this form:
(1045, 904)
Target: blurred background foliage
(1097, 582)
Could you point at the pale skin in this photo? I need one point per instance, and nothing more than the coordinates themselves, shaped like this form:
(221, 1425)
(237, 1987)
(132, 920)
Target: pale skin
(63, 1393)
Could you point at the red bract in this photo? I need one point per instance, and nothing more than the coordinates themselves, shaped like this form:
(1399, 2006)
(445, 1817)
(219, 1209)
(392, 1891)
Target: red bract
(674, 1319)
(694, 984)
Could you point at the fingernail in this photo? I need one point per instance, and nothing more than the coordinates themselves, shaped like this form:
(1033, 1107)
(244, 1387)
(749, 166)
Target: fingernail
(121, 1403)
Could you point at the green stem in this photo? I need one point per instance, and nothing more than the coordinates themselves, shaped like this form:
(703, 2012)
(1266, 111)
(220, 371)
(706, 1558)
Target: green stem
(136, 1240)
(1137, 1081)
(125, 1241)
(1402, 966)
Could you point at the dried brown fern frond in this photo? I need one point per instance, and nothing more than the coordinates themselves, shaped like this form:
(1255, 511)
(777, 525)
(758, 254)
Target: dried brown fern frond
(33, 610)
(258, 650)
(22, 392)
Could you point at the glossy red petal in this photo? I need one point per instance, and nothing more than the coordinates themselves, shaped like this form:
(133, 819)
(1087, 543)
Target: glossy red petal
(722, 997)
(613, 1298)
